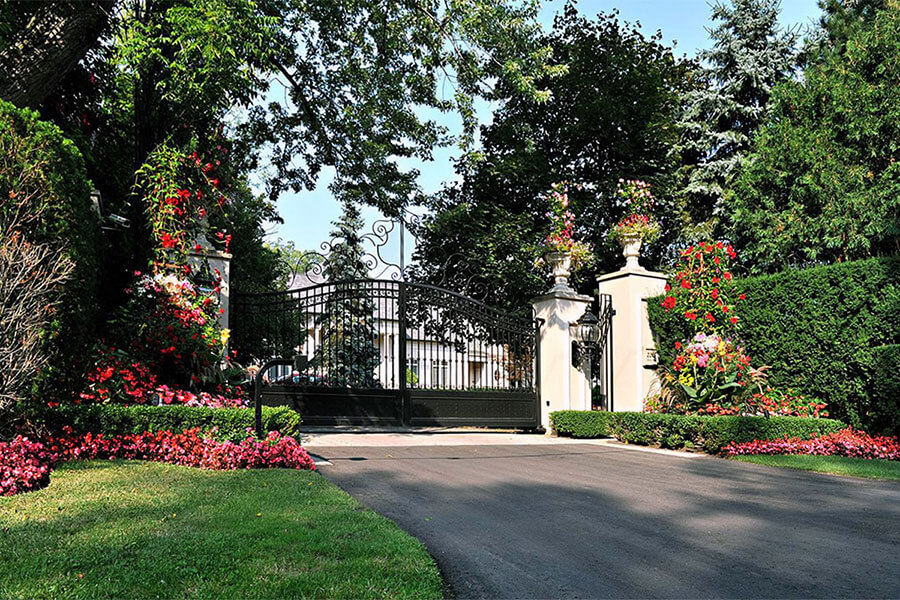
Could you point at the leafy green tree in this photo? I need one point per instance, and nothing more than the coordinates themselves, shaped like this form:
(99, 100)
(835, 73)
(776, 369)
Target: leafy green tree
(353, 80)
(823, 182)
(256, 266)
(611, 115)
(749, 55)
(348, 354)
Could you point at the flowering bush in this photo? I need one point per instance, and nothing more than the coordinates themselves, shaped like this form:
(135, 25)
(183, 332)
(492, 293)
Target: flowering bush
(562, 224)
(639, 221)
(164, 395)
(180, 190)
(703, 287)
(788, 403)
(24, 466)
(847, 442)
(180, 328)
(167, 334)
(118, 378)
(709, 376)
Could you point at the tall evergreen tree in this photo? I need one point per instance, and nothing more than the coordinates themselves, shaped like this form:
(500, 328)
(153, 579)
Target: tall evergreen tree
(823, 182)
(348, 355)
(749, 55)
(841, 19)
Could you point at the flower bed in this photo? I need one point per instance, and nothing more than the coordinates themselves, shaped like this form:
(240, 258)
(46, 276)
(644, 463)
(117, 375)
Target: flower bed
(26, 465)
(847, 442)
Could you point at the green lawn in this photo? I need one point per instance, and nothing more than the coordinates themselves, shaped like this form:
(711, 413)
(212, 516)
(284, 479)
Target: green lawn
(836, 465)
(137, 529)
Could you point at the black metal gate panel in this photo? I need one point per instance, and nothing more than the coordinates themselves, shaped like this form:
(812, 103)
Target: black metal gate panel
(381, 352)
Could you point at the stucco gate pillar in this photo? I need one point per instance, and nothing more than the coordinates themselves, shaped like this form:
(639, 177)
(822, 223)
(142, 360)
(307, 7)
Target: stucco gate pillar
(562, 386)
(209, 265)
(633, 348)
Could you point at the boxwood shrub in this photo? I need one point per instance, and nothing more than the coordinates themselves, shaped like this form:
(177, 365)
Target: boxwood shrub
(582, 423)
(709, 434)
(817, 328)
(114, 419)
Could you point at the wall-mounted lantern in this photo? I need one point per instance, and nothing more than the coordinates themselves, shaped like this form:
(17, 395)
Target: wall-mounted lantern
(585, 337)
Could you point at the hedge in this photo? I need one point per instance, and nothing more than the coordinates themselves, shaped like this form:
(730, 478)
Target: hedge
(817, 328)
(116, 419)
(709, 434)
(886, 389)
(60, 193)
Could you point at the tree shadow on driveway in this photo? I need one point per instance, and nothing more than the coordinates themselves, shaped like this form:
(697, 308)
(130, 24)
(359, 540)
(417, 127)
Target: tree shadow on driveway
(590, 521)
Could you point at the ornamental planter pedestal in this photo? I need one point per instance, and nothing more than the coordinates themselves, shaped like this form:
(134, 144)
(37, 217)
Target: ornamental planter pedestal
(631, 250)
(561, 268)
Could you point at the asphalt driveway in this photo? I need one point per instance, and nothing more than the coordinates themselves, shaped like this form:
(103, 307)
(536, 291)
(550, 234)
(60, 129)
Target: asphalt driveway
(589, 521)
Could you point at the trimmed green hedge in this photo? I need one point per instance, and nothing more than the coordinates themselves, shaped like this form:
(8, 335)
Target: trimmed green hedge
(816, 327)
(115, 419)
(709, 434)
(582, 423)
(886, 389)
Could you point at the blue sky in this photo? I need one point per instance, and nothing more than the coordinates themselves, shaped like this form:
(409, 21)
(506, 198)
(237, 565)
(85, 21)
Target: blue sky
(308, 215)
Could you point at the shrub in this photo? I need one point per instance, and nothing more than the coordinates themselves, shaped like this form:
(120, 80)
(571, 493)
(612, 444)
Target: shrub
(885, 407)
(112, 419)
(847, 442)
(119, 378)
(816, 328)
(710, 434)
(581, 424)
(45, 172)
(30, 279)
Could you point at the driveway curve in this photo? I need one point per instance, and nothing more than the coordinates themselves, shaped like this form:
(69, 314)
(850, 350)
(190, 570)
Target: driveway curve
(594, 521)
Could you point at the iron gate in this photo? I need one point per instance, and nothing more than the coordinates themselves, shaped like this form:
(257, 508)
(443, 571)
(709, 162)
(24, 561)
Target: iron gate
(385, 352)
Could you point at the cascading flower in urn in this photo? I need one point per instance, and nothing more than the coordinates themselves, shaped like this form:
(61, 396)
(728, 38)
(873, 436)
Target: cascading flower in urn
(562, 252)
(639, 225)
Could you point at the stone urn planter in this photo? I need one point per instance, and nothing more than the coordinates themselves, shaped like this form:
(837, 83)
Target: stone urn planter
(560, 264)
(631, 250)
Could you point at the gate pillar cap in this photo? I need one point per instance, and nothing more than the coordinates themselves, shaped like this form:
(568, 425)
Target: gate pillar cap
(626, 272)
(562, 295)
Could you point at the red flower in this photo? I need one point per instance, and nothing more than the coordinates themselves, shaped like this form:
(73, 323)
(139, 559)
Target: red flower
(167, 241)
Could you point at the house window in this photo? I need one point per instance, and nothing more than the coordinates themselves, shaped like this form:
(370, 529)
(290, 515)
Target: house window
(412, 371)
(439, 373)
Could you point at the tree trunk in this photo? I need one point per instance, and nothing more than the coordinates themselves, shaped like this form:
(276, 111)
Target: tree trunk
(56, 37)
